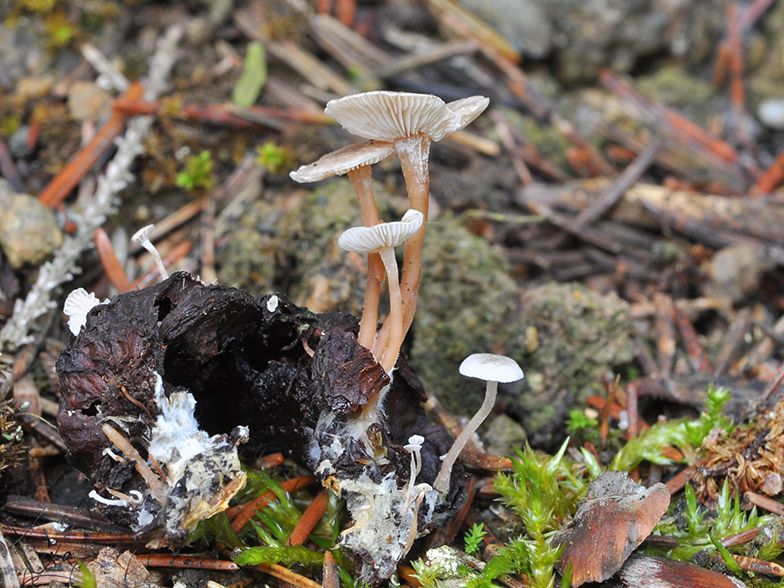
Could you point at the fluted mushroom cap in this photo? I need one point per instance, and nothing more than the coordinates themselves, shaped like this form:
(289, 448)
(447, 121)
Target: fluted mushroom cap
(491, 368)
(388, 116)
(343, 161)
(381, 236)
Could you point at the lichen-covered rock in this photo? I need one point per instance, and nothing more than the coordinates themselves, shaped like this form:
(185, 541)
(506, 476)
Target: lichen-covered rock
(28, 229)
(575, 336)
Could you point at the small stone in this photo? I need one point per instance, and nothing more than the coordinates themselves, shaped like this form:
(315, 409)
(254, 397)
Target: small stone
(771, 113)
(28, 229)
(736, 271)
(34, 87)
(86, 101)
(503, 436)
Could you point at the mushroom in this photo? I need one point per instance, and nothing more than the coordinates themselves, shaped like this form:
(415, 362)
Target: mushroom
(77, 305)
(142, 237)
(493, 369)
(382, 239)
(410, 122)
(355, 161)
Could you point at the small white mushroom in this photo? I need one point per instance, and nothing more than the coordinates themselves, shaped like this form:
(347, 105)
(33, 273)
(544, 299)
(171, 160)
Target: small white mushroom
(77, 305)
(142, 237)
(493, 369)
(382, 239)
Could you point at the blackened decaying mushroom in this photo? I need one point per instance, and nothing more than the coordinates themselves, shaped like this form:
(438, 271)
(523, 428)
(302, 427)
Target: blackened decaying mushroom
(243, 361)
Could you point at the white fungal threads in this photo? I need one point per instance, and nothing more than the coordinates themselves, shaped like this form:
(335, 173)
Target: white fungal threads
(108, 501)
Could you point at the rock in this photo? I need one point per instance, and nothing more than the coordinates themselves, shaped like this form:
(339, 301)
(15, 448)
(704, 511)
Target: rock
(28, 230)
(771, 113)
(735, 271)
(467, 304)
(558, 370)
(86, 101)
(589, 36)
(503, 436)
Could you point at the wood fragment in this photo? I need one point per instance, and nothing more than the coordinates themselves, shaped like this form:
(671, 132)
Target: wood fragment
(52, 536)
(163, 560)
(437, 53)
(46, 511)
(73, 172)
(286, 575)
(8, 168)
(620, 185)
(740, 538)
(775, 383)
(768, 504)
(677, 482)
(735, 338)
(696, 351)
(759, 566)
(665, 343)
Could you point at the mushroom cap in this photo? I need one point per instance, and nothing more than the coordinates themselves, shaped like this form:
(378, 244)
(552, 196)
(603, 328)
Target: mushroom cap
(467, 109)
(77, 305)
(381, 236)
(388, 116)
(142, 234)
(343, 161)
(491, 368)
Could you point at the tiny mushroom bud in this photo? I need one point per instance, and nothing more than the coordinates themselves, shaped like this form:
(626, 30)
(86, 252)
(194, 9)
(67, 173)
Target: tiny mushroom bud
(382, 239)
(142, 237)
(410, 122)
(493, 369)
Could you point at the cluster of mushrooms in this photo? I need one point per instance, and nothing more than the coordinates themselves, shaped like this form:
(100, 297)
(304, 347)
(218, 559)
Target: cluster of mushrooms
(403, 124)
(388, 511)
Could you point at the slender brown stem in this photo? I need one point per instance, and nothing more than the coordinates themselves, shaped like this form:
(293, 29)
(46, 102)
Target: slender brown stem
(362, 180)
(413, 153)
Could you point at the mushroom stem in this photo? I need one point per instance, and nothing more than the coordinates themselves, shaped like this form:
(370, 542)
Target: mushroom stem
(414, 153)
(441, 485)
(388, 356)
(362, 180)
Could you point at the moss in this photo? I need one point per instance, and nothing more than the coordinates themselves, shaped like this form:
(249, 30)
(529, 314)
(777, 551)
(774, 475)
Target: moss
(675, 87)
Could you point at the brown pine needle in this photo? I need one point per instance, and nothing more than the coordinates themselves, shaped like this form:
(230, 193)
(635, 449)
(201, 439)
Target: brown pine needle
(287, 575)
(309, 519)
(249, 509)
(111, 265)
(163, 560)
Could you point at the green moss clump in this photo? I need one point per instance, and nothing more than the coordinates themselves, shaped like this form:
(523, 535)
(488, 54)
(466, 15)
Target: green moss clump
(675, 87)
